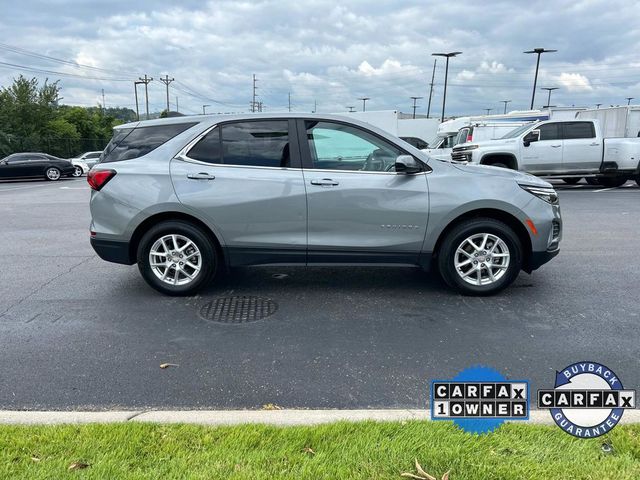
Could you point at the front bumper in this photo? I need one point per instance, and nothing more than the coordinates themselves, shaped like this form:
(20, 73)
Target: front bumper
(112, 251)
(538, 259)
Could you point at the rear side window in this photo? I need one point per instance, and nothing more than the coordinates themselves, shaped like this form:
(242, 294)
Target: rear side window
(578, 130)
(128, 143)
(258, 144)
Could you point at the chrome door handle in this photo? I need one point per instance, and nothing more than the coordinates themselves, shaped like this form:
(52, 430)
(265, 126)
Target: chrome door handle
(200, 176)
(556, 146)
(594, 144)
(325, 182)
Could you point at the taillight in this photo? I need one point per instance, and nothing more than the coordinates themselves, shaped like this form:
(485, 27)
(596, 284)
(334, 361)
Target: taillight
(469, 137)
(99, 178)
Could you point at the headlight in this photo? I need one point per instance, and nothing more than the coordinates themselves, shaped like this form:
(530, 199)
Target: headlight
(465, 149)
(547, 194)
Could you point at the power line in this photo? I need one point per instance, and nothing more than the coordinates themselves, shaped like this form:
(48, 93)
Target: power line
(62, 74)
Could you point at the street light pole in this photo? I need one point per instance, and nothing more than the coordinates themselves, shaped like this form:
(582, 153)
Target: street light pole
(538, 51)
(488, 110)
(204, 109)
(364, 102)
(549, 89)
(629, 100)
(505, 104)
(414, 105)
(446, 75)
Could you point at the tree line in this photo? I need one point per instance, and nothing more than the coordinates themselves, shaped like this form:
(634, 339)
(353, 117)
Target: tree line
(32, 120)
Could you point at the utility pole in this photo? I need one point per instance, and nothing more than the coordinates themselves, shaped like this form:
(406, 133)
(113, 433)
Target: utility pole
(253, 101)
(166, 80)
(505, 104)
(364, 103)
(629, 100)
(446, 74)
(103, 106)
(135, 88)
(289, 101)
(351, 109)
(415, 99)
(538, 51)
(203, 109)
(146, 81)
(177, 109)
(433, 74)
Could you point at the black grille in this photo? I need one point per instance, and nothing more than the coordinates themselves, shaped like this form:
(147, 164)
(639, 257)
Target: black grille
(460, 157)
(241, 309)
(556, 230)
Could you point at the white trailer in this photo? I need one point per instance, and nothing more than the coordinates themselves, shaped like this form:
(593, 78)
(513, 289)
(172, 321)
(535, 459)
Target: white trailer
(616, 122)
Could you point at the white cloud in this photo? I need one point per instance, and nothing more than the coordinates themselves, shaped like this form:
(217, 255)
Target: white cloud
(575, 82)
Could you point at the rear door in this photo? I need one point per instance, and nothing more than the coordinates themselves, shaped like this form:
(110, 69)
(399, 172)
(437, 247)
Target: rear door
(360, 210)
(545, 155)
(245, 177)
(582, 150)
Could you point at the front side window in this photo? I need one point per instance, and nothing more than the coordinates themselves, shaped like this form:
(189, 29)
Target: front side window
(550, 131)
(574, 130)
(334, 146)
(128, 143)
(253, 143)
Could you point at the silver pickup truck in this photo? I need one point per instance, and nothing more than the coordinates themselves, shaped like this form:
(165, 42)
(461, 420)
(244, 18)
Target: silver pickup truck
(569, 150)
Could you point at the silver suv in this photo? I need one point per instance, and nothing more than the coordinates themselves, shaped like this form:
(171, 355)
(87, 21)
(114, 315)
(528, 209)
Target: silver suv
(186, 197)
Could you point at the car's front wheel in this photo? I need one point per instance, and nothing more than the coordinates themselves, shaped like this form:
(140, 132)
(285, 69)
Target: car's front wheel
(480, 256)
(52, 173)
(176, 258)
(77, 171)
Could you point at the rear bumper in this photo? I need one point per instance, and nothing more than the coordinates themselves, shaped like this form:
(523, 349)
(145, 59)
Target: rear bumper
(112, 251)
(540, 258)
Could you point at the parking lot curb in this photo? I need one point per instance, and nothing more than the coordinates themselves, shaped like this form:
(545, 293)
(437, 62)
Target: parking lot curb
(285, 417)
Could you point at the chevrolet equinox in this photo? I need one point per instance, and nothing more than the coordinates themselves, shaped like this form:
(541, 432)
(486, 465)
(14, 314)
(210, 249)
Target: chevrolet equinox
(185, 197)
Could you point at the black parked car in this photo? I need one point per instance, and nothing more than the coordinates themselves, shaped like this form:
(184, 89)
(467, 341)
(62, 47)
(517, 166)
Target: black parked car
(29, 165)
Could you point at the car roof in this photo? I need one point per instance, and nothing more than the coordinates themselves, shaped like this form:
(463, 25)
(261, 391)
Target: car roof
(213, 119)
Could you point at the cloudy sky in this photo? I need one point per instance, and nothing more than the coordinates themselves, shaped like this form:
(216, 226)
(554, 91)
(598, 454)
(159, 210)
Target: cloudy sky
(326, 51)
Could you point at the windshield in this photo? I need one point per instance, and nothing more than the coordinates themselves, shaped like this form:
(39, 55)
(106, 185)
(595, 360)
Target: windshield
(515, 133)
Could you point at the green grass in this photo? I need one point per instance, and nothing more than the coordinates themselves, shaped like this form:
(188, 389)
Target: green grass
(342, 451)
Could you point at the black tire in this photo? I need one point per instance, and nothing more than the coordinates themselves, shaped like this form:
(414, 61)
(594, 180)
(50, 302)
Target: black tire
(77, 171)
(499, 164)
(593, 181)
(571, 180)
(209, 257)
(612, 182)
(465, 229)
(638, 181)
(52, 174)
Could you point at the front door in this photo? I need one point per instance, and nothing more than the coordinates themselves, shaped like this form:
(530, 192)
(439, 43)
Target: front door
(545, 155)
(246, 178)
(360, 210)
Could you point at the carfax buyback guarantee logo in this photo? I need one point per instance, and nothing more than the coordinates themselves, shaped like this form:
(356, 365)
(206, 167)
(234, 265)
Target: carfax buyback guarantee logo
(587, 400)
(479, 399)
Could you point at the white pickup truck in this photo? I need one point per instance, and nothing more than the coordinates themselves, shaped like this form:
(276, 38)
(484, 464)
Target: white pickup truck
(569, 150)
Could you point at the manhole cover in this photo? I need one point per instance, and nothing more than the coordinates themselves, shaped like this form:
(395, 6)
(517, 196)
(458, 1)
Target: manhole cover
(238, 309)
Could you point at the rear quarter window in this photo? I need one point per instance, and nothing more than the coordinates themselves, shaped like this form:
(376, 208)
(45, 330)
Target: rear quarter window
(128, 143)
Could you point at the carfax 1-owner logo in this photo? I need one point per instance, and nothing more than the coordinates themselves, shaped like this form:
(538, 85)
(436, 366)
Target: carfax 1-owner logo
(479, 399)
(587, 400)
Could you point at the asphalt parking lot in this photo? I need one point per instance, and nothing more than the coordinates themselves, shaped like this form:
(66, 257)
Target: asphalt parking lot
(80, 333)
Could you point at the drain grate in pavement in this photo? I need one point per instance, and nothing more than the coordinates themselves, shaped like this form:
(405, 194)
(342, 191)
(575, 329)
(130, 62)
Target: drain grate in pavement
(240, 309)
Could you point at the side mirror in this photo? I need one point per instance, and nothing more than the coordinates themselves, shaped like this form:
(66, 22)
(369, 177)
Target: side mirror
(532, 136)
(407, 164)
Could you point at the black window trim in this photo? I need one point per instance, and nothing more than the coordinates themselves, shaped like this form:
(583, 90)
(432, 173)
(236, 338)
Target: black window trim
(296, 164)
(307, 161)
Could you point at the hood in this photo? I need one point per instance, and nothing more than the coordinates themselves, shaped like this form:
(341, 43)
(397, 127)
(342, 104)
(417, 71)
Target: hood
(488, 143)
(520, 177)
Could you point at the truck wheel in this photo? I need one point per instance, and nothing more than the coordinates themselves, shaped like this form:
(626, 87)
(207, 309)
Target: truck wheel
(480, 256)
(638, 181)
(571, 180)
(612, 181)
(498, 164)
(176, 258)
(592, 181)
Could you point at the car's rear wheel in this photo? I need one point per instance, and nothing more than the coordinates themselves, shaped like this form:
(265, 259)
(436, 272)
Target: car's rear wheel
(176, 258)
(571, 180)
(52, 174)
(480, 256)
(612, 182)
(592, 181)
(77, 171)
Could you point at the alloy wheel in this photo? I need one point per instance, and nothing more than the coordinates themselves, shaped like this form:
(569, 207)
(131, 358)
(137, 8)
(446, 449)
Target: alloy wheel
(482, 259)
(175, 259)
(53, 174)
